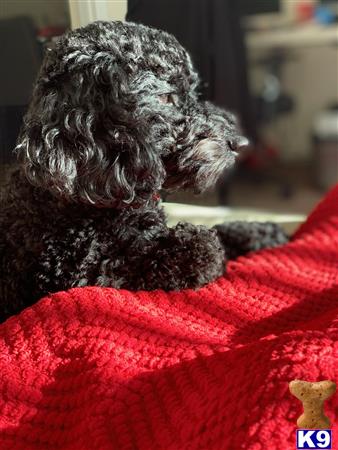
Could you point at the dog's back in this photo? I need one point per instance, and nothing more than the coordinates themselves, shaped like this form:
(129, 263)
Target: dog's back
(48, 244)
(14, 262)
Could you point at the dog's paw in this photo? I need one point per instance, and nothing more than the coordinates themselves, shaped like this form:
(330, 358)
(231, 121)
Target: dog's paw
(240, 238)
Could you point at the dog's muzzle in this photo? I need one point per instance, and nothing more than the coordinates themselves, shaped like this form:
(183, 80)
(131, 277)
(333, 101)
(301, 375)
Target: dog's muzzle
(238, 144)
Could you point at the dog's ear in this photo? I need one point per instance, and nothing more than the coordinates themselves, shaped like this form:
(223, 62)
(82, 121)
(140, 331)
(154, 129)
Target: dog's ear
(80, 139)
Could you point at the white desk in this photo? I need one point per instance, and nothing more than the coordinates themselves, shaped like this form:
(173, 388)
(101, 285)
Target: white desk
(209, 216)
(299, 35)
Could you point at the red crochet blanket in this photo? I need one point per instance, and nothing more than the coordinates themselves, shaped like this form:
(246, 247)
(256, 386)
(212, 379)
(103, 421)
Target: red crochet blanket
(103, 369)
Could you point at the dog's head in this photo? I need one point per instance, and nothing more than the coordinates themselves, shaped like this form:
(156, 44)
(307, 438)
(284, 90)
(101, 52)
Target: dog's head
(115, 117)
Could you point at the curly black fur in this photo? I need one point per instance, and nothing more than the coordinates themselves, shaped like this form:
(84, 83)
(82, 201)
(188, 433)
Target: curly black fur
(114, 118)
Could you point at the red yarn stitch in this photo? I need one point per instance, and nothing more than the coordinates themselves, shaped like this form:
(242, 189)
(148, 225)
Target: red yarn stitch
(97, 368)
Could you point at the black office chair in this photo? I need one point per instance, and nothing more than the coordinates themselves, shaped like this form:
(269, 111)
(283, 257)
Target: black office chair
(20, 56)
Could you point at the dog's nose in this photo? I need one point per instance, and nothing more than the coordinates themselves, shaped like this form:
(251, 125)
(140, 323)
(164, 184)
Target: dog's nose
(237, 144)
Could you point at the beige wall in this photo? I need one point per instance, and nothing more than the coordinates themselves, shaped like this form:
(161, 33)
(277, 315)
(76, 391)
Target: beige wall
(117, 9)
(311, 78)
(85, 11)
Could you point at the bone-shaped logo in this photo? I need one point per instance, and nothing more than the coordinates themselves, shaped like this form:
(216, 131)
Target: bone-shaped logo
(313, 395)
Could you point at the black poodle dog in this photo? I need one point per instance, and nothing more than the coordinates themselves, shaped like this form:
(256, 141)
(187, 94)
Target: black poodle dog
(115, 118)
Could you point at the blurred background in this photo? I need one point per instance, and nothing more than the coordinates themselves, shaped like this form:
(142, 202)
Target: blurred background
(273, 62)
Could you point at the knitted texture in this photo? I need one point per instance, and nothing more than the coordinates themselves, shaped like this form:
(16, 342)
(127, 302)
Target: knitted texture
(99, 368)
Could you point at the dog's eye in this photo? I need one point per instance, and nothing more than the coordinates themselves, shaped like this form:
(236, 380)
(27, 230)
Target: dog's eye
(167, 98)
